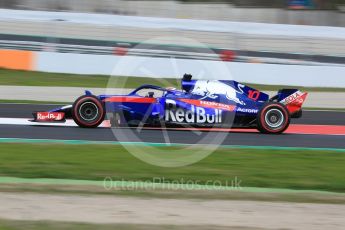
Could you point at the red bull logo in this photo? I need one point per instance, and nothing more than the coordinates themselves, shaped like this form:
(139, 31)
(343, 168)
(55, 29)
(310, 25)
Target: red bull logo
(50, 116)
(194, 115)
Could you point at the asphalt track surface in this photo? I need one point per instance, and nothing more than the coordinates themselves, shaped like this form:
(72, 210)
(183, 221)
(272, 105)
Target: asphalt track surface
(187, 137)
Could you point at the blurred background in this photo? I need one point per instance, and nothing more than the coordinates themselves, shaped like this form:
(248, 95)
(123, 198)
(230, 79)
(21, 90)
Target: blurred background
(305, 12)
(300, 33)
(315, 12)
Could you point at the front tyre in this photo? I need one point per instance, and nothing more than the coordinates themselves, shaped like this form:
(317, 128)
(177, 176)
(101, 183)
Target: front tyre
(88, 111)
(273, 118)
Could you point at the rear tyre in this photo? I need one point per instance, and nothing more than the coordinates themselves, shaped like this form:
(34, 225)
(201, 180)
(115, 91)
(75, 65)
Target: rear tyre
(273, 118)
(88, 111)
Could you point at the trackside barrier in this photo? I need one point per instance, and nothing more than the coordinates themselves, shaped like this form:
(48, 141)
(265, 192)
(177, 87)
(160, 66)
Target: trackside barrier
(257, 73)
(270, 74)
(17, 59)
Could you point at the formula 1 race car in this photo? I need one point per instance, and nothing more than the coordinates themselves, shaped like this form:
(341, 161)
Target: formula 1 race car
(200, 103)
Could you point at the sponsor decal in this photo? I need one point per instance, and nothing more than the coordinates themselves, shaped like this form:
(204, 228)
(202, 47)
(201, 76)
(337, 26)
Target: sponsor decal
(50, 116)
(246, 110)
(209, 104)
(253, 94)
(194, 115)
(295, 98)
(295, 101)
(212, 89)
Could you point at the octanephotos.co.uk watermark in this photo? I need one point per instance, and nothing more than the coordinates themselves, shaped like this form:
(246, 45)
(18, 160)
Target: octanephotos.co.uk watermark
(162, 183)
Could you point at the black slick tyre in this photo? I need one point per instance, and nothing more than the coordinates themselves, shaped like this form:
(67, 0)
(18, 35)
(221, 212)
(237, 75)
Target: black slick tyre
(273, 118)
(88, 111)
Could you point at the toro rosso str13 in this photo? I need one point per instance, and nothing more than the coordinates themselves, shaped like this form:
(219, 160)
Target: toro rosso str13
(200, 103)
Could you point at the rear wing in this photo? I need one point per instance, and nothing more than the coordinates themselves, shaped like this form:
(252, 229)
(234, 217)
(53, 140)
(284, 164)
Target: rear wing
(293, 99)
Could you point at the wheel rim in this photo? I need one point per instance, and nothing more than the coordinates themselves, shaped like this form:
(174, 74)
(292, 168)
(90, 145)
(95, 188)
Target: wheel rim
(88, 111)
(274, 118)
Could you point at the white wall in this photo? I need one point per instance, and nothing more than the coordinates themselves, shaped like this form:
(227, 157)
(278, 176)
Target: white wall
(181, 24)
(235, 41)
(316, 40)
(271, 74)
(176, 9)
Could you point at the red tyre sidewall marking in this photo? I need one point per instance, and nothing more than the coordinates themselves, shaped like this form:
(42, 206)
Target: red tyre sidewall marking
(94, 101)
(263, 122)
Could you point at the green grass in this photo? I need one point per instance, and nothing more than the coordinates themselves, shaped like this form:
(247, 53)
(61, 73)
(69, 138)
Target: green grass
(32, 78)
(28, 78)
(58, 225)
(33, 102)
(294, 169)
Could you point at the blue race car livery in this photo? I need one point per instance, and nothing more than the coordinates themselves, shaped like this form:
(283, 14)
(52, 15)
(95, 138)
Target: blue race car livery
(199, 103)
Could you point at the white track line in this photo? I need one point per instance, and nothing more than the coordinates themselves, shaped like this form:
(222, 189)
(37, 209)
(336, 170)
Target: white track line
(25, 121)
